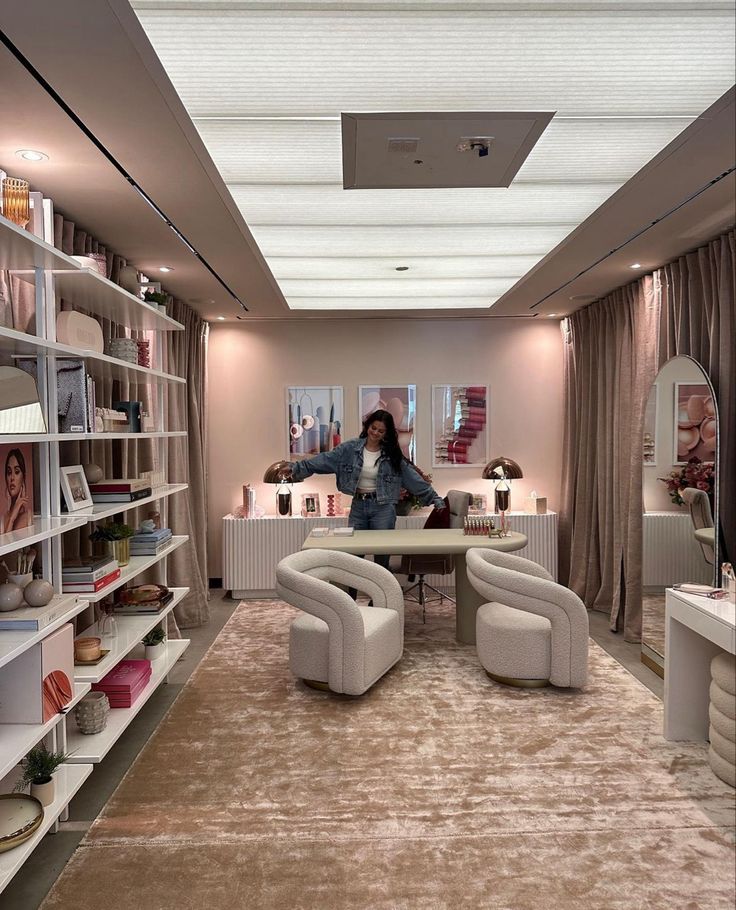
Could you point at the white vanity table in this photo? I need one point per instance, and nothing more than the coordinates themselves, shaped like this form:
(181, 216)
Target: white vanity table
(696, 629)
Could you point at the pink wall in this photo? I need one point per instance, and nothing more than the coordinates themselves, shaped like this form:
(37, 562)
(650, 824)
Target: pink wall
(251, 365)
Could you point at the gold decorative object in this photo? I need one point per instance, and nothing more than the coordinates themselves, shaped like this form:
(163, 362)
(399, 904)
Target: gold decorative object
(16, 201)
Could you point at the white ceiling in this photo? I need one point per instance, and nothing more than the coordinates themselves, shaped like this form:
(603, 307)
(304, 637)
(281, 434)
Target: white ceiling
(265, 84)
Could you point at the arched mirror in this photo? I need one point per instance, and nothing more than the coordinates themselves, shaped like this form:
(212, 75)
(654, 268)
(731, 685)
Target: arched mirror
(680, 492)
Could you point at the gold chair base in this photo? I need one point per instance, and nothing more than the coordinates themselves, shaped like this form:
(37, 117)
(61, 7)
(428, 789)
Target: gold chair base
(518, 683)
(317, 684)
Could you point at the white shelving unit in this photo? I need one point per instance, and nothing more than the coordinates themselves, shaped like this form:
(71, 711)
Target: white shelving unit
(55, 275)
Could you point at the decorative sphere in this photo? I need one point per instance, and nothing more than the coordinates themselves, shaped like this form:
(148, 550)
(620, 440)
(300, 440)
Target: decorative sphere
(93, 473)
(38, 593)
(11, 596)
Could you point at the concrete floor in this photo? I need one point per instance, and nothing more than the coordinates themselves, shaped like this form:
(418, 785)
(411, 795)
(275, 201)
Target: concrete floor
(35, 879)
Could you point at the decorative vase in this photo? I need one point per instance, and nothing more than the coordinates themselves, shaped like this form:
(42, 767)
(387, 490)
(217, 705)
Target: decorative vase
(21, 580)
(121, 550)
(16, 201)
(11, 597)
(153, 652)
(38, 593)
(44, 792)
(91, 713)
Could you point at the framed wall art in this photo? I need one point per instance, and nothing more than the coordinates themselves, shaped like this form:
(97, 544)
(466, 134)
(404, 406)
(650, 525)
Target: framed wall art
(695, 423)
(310, 505)
(459, 426)
(401, 403)
(16, 503)
(478, 504)
(314, 420)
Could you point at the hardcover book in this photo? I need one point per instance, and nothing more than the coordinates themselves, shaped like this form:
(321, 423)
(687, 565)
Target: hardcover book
(89, 587)
(32, 619)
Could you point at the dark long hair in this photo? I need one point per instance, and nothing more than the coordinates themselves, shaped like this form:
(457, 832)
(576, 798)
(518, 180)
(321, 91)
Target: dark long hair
(18, 455)
(390, 444)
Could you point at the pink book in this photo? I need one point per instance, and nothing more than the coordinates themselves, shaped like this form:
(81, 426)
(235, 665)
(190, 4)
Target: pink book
(125, 676)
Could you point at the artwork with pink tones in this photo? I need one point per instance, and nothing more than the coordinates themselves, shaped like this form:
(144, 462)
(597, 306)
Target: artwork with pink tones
(16, 503)
(695, 422)
(401, 402)
(459, 426)
(314, 420)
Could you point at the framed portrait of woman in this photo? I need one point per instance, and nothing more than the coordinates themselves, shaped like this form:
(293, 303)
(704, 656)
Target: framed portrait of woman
(17, 498)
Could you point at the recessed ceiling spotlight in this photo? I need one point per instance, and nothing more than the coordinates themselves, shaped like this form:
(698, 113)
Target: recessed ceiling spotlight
(583, 297)
(551, 315)
(402, 268)
(221, 318)
(32, 155)
(635, 265)
(165, 268)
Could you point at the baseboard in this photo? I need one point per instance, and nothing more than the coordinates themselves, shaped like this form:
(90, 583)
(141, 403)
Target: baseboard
(652, 660)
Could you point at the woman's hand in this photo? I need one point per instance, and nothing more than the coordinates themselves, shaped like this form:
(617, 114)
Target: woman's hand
(19, 508)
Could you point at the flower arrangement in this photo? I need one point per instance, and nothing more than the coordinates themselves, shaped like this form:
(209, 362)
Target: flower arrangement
(410, 500)
(696, 473)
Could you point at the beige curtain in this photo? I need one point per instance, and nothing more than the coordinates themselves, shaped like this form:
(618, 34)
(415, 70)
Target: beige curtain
(610, 364)
(698, 317)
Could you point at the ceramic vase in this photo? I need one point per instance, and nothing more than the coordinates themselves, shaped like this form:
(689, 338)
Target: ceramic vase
(153, 652)
(91, 713)
(45, 792)
(121, 551)
(11, 597)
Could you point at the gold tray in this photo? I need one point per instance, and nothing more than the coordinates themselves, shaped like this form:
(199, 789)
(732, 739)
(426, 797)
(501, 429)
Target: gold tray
(10, 839)
(91, 663)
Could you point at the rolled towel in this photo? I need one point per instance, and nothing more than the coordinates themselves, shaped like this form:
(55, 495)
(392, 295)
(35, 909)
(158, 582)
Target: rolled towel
(723, 671)
(726, 726)
(724, 701)
(722, 746)
(721, 768)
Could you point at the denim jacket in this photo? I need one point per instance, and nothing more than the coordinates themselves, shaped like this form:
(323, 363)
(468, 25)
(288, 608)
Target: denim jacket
(346, 462)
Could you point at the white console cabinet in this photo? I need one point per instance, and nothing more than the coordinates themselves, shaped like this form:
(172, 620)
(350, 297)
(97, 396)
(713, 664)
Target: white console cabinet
(253, 547)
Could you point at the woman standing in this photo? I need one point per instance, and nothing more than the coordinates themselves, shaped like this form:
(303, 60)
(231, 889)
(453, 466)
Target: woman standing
(373, 470)
(17, 514)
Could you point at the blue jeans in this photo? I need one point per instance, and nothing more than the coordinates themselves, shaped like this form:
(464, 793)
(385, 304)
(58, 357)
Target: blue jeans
(369, 515)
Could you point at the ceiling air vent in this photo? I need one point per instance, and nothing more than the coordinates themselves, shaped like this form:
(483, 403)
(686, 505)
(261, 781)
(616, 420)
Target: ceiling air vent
(433, 150)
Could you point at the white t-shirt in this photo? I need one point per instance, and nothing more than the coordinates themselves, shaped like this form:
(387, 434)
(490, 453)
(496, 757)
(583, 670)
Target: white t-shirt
(367, 479)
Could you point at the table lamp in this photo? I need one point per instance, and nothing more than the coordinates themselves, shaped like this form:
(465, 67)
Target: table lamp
(502, 470)
(280, 473)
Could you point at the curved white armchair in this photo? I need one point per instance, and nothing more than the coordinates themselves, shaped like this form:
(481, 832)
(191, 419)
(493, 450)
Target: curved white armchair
(339, 643)
(552, 640)
(702, 518)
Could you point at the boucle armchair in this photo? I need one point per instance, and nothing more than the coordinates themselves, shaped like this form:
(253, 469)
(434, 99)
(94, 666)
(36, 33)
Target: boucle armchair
(339, 644)
(532, 630)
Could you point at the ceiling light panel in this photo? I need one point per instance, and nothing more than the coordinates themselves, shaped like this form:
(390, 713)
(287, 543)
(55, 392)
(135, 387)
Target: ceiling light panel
(298, 63)
(332, 205)
(400, 242)
(389, 303)
(329, 267)
(398, 287)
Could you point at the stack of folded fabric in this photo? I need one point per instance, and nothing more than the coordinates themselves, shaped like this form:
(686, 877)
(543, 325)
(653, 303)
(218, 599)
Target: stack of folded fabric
(149, 543)
(144, 353)
(125, 682)
(722, 714)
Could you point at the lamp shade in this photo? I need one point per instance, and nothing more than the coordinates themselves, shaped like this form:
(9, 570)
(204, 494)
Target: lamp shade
(278, 472)
(510, 470)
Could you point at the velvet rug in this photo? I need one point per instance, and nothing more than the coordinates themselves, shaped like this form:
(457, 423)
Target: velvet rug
(437, 789)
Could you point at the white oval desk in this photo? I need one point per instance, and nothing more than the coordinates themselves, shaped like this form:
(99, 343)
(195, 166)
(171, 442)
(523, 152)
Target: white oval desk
(409, 542)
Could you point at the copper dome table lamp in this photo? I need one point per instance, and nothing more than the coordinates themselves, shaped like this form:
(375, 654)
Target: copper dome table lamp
(502, 470)
(280, 473)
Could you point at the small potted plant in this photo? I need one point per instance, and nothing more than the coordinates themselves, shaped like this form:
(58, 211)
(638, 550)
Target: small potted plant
(39, 766)
(117, 535)
(155, 643)
(157, 299)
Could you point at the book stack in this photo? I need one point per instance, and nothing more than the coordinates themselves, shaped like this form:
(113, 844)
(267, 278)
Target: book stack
(120, 490)
(143, 599)
(144, 353)
(32, 619)
(149, 543)
(88, 576)
(125, 682)
(123, 349)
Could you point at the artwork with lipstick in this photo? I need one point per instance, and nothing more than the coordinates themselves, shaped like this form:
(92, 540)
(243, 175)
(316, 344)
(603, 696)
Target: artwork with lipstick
(315, 418)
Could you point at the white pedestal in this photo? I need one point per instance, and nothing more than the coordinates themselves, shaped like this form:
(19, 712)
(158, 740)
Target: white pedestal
(696, 629)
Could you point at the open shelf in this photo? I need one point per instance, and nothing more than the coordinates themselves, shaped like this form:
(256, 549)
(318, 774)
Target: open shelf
(88, 290)
(136, 565)
(102, 510)
(131, 630)
(41, 529)
(69, 778)
(95, 747)
(75, 437)
(20, 249)
(101, 366)
(17, 739)
(14, 642)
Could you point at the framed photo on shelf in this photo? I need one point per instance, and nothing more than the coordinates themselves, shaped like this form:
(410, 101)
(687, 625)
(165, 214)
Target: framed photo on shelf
(16, 504)
(649, 440)
(459, 426)
(310, 505)
(401, 403)
(314, 420)
(478, 504)
(695, 423)
(75, 488)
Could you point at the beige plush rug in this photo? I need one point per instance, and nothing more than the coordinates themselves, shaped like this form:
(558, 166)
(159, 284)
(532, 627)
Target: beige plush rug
(438, 789)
